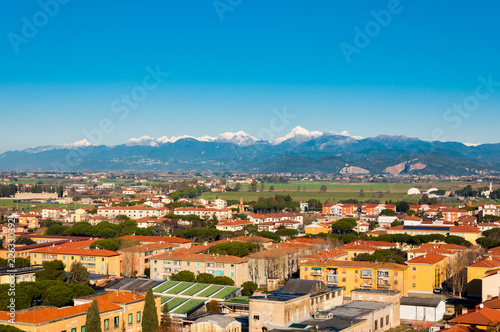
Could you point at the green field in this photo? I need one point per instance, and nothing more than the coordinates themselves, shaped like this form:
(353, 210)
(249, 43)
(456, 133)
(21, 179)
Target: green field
(210, 290)
(188, 306)
(165, 299)
(175, 302)
(195, 289)
(166, 285)
(179, 288)
(238, 299)
(341, 190)
(26, 206)
(225, 292)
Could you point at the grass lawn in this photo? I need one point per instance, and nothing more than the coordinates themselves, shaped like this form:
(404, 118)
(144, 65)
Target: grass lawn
(222, 294)
(166, 285)
(175, 302)
(179, 288)
(339, 191)
(188, 306)
(209, 291)
(195, 289)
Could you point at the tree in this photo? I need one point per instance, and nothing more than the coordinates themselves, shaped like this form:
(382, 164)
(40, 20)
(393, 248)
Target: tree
(388, 212)
(58, 296)
(9, 328)
(78, 274)
(402, 206)
(271, 188)
(52, 270)
(238, 249)
(248, 288)
(253, 186)
(286, 232)
(184, 276)
(223, 280)
(24, 240)
(237, 187)
(396, 223)
(322, 188)
(93, 320)
(149, 315)
(205, 278)
(213, 307)
(166, 321)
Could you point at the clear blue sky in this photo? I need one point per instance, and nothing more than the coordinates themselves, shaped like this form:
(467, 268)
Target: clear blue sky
(230, 74)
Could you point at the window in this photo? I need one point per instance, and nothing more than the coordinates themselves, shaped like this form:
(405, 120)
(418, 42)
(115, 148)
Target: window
(198, 264)
(387, 320)
(129, 319)
(73, 329)
(232, 266)
(138, 316)
(366, 274)
(264, 317)
(305, 269)
(117, 322)
(376, 324)
(106, 324)
(414, 269)
(382, 322)
(188, 263)
(256, 317)
(83, 328)
(413, 285)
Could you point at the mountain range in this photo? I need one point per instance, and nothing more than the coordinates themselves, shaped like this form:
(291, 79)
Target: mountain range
(300, 151)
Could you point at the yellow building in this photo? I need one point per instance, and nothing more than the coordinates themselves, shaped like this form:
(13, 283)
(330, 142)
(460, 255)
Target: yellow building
(316, 228)
(118, 310)
(468, 232)
(427, 272)
(357, 274)
(97, 261)
(478, 269)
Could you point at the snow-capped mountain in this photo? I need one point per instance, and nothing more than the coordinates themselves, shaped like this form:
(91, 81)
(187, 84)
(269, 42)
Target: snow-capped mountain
(239, 138)
(298, 135)
(75, 145)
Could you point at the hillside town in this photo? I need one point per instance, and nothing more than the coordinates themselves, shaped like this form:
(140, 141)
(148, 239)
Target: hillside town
(167, 254)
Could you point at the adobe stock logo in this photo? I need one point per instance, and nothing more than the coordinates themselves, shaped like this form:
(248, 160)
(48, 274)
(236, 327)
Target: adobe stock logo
(363, 37)
(30, 27)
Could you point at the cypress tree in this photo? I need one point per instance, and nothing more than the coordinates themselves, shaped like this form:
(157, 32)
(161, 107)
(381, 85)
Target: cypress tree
(93, 321)
(150, 314)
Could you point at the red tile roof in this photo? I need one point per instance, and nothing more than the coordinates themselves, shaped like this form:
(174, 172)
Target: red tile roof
(426, 259)
(483, 317)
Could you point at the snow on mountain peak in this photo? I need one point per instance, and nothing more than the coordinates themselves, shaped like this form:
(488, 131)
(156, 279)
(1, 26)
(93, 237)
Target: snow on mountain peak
(143, 140)
(298, 135)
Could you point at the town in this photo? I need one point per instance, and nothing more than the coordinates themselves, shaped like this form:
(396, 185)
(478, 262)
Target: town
(238, 252)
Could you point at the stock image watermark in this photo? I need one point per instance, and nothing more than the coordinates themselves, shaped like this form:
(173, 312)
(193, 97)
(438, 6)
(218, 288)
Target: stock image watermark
(120, 107)
(223, 6)
(364, 36)
(11, 264)
(32, 25)
(456, 115)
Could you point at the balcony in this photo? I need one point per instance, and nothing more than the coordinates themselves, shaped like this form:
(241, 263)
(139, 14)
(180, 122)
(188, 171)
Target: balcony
(332, 279)
(316, 272)
(366, 285)
(383, 285)
(366, 276)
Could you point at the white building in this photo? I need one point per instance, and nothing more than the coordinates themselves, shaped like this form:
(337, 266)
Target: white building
(133, 212)
(225, 213)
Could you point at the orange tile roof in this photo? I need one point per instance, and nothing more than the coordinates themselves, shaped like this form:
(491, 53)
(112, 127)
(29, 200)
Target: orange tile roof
(493, 303)
(483, 317)
(367, 245)
(487, 262)
(327, 254)
(426, 259)
(147, 247)
(185, 255)
(106, 302)
(253, 239)
(358, 264)
(62, 250)
(273, 253)
(144, 238)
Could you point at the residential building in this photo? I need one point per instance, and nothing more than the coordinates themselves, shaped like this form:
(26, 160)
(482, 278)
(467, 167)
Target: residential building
(274, 217)
(118, 311)
(340, 209)
(51, 213)
(97, 261)
(317, 228)
(481, 319)
(298, 299)
(468, 232)
(163, 266)
(133, 212)
(134, 260)
(224, 213)
(426, 272)
(479, 268)
(452, 214)
(146, 222)
(357, 274)
(232, 225)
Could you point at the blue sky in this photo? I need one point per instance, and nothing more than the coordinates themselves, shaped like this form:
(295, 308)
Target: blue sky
(61, 80)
